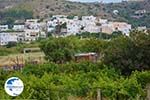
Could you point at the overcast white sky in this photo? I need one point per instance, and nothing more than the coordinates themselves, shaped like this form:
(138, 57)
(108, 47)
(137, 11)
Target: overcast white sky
(106, 1)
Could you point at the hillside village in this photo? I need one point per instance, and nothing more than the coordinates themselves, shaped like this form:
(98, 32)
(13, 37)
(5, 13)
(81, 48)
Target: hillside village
(59, 25)
(64, 50)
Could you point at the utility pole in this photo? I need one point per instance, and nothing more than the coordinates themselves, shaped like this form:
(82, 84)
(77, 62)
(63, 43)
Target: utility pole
(99, 97)
(148, 91)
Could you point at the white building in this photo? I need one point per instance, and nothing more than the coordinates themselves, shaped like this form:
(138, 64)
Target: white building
(92, 27)
(34, 30)
(18, 27)
(20, 36)
(102, 21)
(31, 21)
(106, 28)
(32, 24)
(88, 18)
(4, 27)
(56, 20)
(52, 24)
(141, 28)
(90, 24)
(42, 34)
(121, 26)
(87, 24)
(73, 27)
(31, 35)
(116, 26)
(5, 38)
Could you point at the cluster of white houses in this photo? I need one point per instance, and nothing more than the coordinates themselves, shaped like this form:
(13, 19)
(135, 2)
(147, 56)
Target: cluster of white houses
(30, 31)
(60, 25)
(86, 24)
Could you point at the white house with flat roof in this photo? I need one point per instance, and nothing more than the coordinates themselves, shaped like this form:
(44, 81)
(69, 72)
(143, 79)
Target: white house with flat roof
(4, 27)
(18, 27)
(51, 24)
(88, 18)
(5, 38)
(31, 35)
(102, 21)
(32, 24)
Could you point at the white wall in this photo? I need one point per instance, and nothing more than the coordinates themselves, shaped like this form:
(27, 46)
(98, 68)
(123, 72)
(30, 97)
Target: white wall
(18, 27)
(5, 38)
(3, 27)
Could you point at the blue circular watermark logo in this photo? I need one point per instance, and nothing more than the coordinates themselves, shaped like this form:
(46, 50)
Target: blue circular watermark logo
(14, 86)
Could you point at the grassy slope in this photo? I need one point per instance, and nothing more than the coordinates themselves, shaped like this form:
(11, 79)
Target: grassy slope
(8, 60)
(9, 54)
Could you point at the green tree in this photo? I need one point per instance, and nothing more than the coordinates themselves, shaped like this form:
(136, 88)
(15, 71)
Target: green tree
(129, 53)
(94, 35)
(18, 13)
(94, 45)
(70, 16)
(11, 44)
(58, 50)
(116, 34)
(64, 25)
(8, 21)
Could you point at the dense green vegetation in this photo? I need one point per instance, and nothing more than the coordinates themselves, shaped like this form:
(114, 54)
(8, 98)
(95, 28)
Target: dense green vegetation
(16, 48)
(124, 53)
(17, 13)
(122, 71)
(100, 35)
(136, 22)
(129, 53)
(5, 51)
(77, 80)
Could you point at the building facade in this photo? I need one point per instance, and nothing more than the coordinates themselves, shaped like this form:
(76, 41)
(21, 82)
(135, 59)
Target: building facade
(5, 38)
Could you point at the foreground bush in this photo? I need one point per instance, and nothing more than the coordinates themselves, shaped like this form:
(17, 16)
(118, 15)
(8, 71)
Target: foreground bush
(77, 80)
